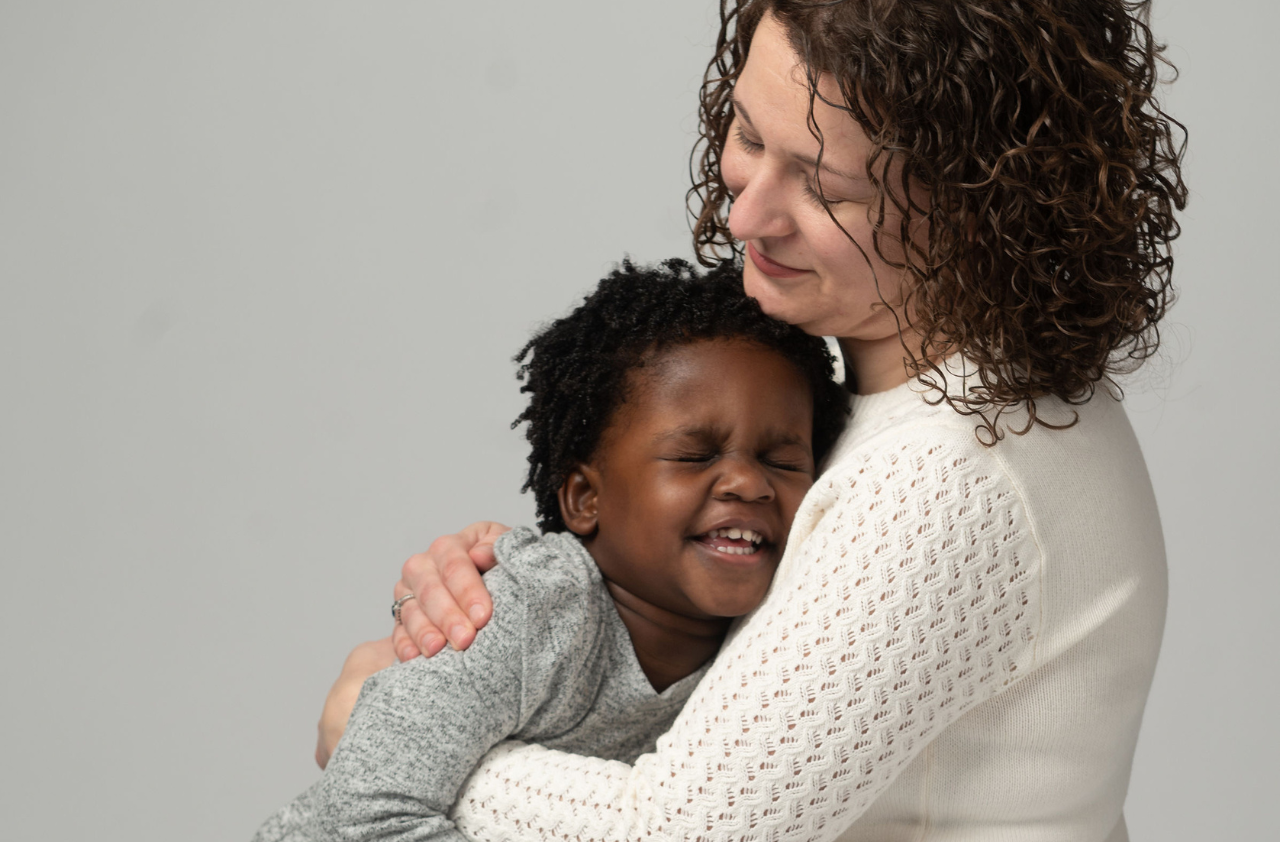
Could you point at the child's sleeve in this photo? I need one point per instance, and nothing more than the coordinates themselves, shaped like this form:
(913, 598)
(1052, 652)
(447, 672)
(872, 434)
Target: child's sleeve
(419, 728)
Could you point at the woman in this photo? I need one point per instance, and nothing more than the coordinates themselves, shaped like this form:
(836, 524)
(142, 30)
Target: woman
(975, 197)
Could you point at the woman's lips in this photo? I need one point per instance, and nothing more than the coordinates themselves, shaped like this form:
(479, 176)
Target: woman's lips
(771, 267)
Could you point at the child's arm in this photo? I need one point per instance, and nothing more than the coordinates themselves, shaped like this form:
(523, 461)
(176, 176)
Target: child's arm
(416, 732)
(420, 727)
(410, 742)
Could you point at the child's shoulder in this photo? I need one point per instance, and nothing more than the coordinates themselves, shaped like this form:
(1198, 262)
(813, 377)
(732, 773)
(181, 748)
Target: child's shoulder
(548, 574)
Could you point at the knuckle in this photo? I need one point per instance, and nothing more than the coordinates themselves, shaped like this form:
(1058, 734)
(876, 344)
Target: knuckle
(439, 546)
(413, 564)
(457, 567)
(411, 621)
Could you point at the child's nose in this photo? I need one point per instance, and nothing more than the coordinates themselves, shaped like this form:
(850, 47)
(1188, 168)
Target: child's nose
(742, 477)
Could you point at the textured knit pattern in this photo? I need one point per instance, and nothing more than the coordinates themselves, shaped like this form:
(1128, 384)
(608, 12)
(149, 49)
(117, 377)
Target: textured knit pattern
(556, 665)
(911, 594)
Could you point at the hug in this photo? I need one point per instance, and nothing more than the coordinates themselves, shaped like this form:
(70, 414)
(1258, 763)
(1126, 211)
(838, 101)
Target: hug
(924, 606)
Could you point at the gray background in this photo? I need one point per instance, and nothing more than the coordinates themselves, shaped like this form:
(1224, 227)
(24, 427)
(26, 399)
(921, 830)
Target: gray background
(262, 268)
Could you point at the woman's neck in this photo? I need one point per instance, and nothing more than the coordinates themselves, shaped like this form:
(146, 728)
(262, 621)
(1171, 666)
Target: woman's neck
(668, 646)
(873, 365)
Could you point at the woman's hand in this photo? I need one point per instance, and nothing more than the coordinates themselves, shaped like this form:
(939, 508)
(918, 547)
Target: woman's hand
(364, 661)
(450, 599)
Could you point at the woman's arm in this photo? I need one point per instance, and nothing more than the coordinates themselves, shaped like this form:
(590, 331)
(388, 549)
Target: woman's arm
(911, 597)
(364, 661)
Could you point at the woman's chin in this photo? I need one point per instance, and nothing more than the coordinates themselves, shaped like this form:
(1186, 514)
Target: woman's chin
(779, 306)
(771, 300)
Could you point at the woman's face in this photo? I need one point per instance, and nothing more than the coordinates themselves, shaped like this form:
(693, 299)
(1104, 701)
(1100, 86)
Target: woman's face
(800, 266)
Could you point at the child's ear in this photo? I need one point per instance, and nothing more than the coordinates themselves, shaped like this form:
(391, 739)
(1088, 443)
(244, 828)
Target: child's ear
(578, 500)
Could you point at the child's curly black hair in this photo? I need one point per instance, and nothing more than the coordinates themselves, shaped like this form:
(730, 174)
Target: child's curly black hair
(575, 369)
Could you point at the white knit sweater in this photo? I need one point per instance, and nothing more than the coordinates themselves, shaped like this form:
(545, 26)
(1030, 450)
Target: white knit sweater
(958, 645)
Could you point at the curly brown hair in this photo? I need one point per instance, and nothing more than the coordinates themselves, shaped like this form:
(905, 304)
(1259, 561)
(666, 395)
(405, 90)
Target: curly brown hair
(1052, 176)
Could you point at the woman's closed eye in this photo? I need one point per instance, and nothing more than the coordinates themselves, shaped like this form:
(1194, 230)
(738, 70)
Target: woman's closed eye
(810, 192)
(746, 142)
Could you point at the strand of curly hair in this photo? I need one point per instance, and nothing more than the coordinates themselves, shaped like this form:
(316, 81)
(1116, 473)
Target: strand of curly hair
(1051, 171)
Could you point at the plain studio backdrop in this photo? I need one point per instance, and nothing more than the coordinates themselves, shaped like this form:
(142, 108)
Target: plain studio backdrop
(263, 267)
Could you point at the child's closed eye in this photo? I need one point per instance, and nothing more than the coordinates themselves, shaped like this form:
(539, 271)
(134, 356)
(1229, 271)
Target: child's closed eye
(705, 456)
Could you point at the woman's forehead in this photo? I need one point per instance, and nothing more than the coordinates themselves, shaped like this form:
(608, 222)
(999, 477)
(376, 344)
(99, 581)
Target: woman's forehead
(773, 96)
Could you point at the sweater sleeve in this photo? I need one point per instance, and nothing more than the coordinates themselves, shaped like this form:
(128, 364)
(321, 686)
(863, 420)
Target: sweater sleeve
(911, 595)
(417, 730)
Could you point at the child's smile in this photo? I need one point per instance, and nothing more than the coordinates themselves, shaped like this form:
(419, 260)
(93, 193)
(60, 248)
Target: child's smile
(733, 540)
(687, 502)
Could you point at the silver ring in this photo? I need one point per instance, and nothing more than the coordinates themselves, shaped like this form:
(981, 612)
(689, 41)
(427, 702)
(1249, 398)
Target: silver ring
(398, 604)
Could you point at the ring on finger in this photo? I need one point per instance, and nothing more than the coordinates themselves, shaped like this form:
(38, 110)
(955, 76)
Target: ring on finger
(398, 604)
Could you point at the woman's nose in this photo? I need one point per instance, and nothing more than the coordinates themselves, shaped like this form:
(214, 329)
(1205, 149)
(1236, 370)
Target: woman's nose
(759, 207)
(742, 478)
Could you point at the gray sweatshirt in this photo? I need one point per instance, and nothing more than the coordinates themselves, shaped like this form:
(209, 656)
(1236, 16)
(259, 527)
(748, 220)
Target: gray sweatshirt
(554, 666)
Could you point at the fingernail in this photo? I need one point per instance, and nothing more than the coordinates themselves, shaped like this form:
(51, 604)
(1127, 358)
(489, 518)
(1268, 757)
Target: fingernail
(406, 653)
(476, 613)
(455, 635)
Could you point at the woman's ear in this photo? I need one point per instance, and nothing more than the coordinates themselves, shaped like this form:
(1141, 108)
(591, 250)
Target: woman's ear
(578, 500)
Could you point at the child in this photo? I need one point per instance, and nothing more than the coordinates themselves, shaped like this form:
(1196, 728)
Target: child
(674, 430)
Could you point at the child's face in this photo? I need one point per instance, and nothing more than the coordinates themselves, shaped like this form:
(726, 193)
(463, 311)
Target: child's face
(715, 435)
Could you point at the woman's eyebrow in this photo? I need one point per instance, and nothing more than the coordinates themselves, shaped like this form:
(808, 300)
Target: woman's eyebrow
(804, 159)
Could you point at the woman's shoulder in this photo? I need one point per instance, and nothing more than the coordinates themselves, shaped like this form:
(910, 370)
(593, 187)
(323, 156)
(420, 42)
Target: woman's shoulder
(909, 472)
(1074, 482)
(1075, 504)
(1078, 444)
(905, 430)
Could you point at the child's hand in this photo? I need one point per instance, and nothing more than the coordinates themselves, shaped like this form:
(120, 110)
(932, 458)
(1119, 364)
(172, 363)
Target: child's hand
(442, 580)
(364, 661)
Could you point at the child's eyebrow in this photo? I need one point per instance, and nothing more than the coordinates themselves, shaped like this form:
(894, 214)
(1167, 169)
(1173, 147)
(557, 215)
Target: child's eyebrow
(772, 438)
(691, 431)
(782, 438)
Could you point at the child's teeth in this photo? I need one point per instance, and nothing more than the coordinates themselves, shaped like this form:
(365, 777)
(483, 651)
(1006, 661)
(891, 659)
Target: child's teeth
(734, 533)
